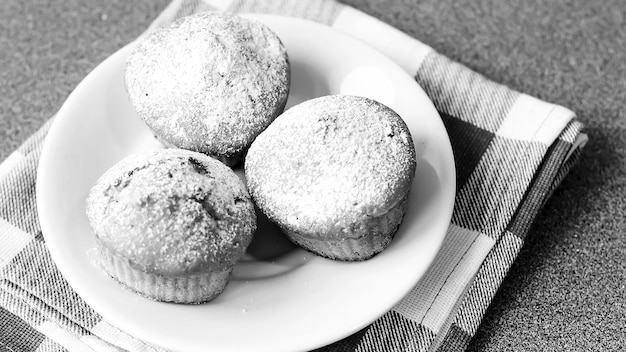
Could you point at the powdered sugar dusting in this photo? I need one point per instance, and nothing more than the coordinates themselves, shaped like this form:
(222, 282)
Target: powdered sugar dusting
(172, 212)
(329, 162)
(211, 82)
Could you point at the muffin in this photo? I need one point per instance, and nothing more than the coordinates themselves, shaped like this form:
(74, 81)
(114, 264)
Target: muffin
(170, 224)
(334, 173)
(210, 82)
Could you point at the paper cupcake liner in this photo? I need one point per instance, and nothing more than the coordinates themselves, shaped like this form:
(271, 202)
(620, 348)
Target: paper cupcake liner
(359, 242)
(190, 289)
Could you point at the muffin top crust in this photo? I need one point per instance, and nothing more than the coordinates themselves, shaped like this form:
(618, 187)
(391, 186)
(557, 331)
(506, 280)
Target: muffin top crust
(172, 212)
(210, 82)
(328, 162)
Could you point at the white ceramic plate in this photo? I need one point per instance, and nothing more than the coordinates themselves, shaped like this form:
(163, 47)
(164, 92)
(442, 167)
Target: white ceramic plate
(281, 298)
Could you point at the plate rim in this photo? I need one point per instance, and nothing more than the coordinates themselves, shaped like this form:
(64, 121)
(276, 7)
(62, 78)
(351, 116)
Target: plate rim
(57, 125)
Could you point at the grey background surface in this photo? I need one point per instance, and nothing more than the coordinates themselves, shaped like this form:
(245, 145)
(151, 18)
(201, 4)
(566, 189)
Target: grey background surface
(567, 289)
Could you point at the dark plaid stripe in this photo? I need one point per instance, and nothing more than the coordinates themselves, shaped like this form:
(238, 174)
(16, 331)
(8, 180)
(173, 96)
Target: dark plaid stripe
(488, 199)
(555, 167)
(323, 11)
(17, 203)
(458, 91)
(469, 144)
(456, 340)
(33, 278)
(17, 306)
(472, 109)
(394, 332)
(499, 261)
(571, 133)
(16, 335)
(541, 188)
(486, 282)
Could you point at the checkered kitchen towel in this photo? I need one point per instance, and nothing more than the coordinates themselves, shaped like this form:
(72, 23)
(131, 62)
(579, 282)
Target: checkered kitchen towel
(511, 151)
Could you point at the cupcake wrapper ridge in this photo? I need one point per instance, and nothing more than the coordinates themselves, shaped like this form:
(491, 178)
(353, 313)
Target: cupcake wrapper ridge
(190, 289)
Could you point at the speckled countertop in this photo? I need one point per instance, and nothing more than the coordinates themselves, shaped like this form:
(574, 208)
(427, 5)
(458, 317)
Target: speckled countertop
(567, 289)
